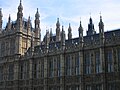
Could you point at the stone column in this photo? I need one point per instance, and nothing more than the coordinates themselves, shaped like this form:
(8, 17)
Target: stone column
(62, 72)
(81, 56)
(16, 75)
(45, 73)
(102, 61)
(31, 73)
(18, 44)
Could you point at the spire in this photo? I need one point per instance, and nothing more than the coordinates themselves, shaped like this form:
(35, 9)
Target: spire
(1, 15)
(29, 18)
(69, 32)
(91, 29)
(9, 23)
(37, 30)
(20, 8)
(80, 27)
(1, 12)
(63, 38)
(51, 34)
(58, 23)
(69, 29)
(37, 21)
(101, 22)
(101, 31)
(62, 28)
(80, 30)
(90, 20)
(9, 19)
(29, 22)
(101, 25)
(100, 18)
(58, 30)
(47, 39)
(37, 15)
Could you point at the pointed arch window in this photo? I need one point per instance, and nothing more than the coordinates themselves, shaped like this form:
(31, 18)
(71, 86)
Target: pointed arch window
(109, 61)
(58, 67)
(11, 72)
(35, 70)
(77, 64)
(97, 62)
(42, 68)
(68, 65)
(51, 67)
(87, 64)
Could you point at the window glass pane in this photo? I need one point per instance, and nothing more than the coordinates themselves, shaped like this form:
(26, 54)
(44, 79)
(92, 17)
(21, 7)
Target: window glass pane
(68, 65)
(51, 67)
(11, 72)
(97, 62)
(88, 87)
(98, 87)
(109, 61)
(77, 64)
(87, 64)
(42, 68)
(58, 67)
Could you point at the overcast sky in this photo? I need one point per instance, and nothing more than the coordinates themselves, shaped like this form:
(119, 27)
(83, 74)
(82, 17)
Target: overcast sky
(68, 11)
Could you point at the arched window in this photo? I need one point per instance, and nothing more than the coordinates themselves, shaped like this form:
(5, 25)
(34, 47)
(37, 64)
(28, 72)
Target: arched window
(87, 64)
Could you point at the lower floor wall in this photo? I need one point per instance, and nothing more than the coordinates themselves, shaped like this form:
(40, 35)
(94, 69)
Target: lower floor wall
(69, 87)
(83, 82)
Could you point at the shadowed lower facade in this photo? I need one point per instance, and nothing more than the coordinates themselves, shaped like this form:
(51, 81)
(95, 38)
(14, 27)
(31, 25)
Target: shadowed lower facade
(90, 62)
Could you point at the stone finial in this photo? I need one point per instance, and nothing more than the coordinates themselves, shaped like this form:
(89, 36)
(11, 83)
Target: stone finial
(1, 12)
(58, 23)
(69, 29)
(69, 32)
(20, 7)
(9, 19)
(37, 15)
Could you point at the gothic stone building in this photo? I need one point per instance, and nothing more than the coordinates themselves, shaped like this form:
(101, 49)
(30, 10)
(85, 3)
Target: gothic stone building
(90, 62)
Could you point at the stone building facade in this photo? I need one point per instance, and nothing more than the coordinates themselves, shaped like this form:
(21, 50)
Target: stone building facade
(90, 62)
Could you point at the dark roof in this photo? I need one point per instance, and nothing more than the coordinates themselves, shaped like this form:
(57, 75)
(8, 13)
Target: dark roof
(87, 41)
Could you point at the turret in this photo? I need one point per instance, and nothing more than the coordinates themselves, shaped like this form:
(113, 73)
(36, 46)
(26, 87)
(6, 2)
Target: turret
(101, 25)
(9, 23)
(58, 30)
(63, 39)
(29, 25)
(51, 35)
(37, 21)
(47, 40)
(19, 28)
(101, 31)
(32, 45)
(91, 30)
(80, 30)
(20, 8)
(37, 28)
(19, 17)
(1, 19)
(29, 32)
(69, 32)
